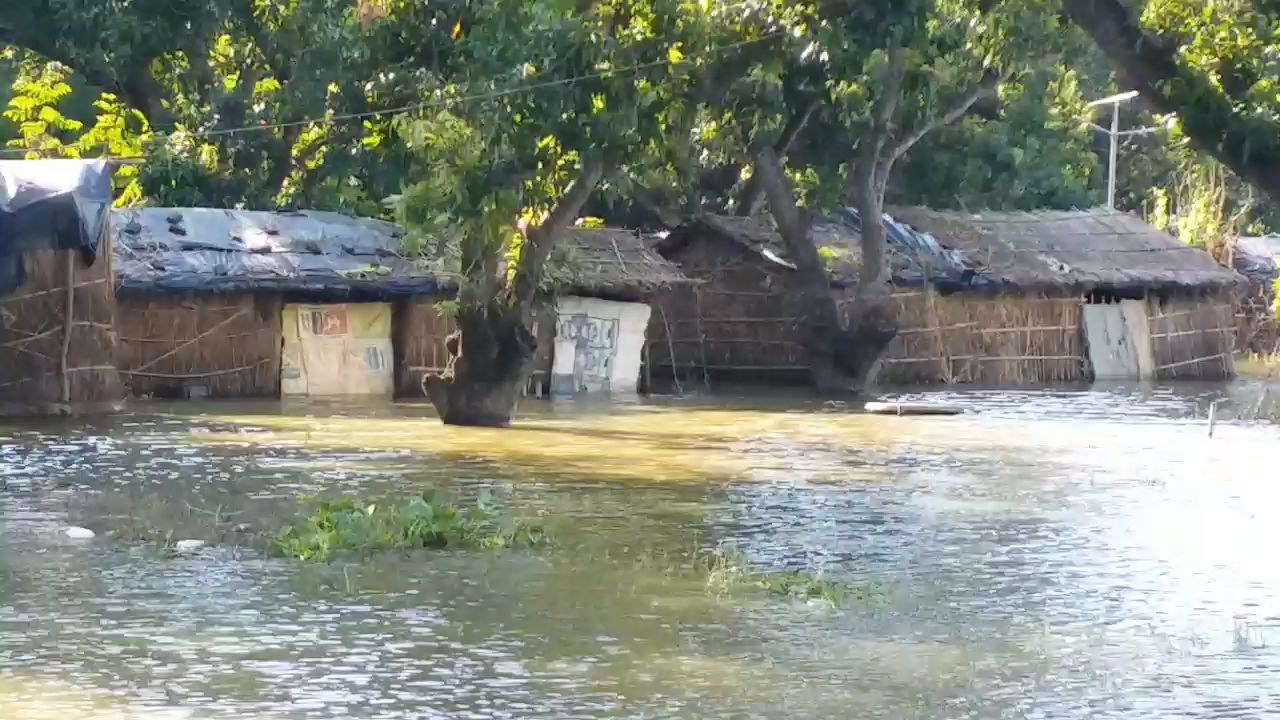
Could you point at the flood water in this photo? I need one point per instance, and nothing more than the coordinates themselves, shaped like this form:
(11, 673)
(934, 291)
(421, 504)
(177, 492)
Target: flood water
(1052, 554)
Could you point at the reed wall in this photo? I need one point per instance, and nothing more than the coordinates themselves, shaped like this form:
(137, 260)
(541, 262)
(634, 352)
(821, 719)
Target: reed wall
(220, 346)
(57, 337)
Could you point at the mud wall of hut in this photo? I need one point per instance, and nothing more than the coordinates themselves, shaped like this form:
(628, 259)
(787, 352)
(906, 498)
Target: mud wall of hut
(995, 340)
(1193, 336)
(742, 322)
(57, 337)
(220, 346)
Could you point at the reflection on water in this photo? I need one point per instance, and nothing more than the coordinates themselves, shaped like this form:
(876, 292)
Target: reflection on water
(1062, 554)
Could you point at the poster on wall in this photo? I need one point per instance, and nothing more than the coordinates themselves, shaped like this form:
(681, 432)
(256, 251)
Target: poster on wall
(598, 346)
(337, 350)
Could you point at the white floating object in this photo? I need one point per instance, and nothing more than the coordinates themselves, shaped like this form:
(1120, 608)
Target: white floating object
(910, 408)
(188, 546)
(79, 533)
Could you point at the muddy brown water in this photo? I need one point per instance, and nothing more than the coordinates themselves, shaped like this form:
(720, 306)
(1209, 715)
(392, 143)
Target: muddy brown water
(1054, 554)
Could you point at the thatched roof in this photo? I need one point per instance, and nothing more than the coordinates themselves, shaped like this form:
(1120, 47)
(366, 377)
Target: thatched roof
(609, 262)
(1076, 250)
(319, 255)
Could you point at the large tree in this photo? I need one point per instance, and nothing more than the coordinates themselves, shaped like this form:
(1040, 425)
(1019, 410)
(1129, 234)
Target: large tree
(544, 101)
(848, 94)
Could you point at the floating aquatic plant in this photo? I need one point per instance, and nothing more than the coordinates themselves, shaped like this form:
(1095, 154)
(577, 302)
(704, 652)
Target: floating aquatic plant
(424, 521)
(728, 572)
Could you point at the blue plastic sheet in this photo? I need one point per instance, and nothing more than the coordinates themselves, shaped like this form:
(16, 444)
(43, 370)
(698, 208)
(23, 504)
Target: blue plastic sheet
(50, 205)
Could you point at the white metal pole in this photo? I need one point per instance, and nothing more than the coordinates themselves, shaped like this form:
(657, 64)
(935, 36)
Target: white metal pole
(1115, 153)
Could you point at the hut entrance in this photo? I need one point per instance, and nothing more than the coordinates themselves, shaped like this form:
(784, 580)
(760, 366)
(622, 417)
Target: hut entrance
(1119, 338)
(337, 350)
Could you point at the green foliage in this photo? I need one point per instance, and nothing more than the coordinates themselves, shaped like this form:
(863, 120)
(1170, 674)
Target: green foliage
(1036, 151)
(345, 526)
(728, 572)
(40, 91)
(673, 96)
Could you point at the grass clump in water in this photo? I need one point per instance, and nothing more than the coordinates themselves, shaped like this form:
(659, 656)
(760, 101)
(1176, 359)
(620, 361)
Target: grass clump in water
(424, 521)
(728, 573)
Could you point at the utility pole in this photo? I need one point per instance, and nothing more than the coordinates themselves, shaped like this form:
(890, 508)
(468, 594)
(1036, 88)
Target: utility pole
(1114, 134)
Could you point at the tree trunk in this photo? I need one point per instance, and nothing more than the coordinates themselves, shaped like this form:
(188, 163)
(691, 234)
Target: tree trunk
(489, 361)
(821, 333)
(491, 353)
(752, 197)
(1248, 145)
(871, 323)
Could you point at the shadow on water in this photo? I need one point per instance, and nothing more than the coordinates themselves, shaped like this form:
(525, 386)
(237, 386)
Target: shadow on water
(1056, 554)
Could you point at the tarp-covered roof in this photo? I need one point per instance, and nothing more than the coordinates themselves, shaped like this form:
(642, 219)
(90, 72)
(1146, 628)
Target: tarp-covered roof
(1258, 258)
(315, 254)
(50, 205)
(612, 262)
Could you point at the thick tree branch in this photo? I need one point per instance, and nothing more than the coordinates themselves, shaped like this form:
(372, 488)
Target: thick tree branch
(1248, 145)
(983, 89)
(869, 164)
(782, 204)
(540, 240)
(752, 195)
(884, 110)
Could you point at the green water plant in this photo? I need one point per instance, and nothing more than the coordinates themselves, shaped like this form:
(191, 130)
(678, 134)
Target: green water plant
(728, 573)
(418, 522)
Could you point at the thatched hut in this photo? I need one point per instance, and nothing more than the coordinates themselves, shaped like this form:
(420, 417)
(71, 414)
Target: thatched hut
(57, 310)
(1078, 295)
(229, 303)
(1012, 298)
(592, 337)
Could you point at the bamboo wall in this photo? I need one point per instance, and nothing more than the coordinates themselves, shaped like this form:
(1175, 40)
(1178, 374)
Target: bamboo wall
(1257, 329)
(741, 321)
(219, 346)
(1003, 340)
(418, 333)
(57, 337)
(1193, 337)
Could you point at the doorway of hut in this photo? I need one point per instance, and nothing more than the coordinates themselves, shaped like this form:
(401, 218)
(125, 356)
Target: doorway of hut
(1118, 337)
(337, 350)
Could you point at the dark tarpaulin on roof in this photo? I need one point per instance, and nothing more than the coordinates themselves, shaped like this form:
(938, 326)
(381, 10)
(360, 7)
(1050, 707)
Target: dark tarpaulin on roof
(305, 255)
(50, 205)
(918, 259)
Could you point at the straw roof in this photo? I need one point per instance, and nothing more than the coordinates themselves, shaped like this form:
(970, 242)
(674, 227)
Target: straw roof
(319, 255)
(1076, 250)
(609, 262)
